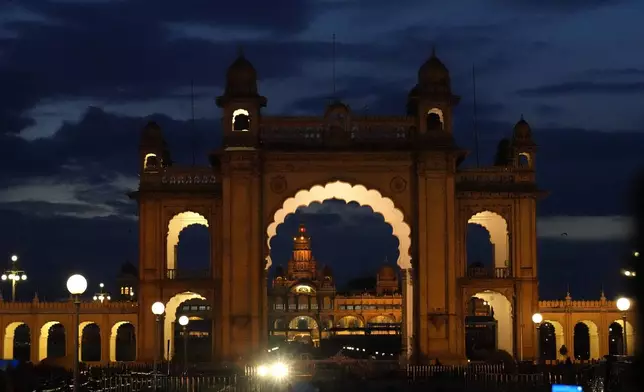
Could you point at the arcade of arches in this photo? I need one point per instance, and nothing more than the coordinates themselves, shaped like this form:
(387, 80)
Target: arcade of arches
(406, 168)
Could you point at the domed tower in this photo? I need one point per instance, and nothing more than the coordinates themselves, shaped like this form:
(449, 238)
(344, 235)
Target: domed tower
(523, 146)
(431, 100)
(153, 151)
(387, 280)
(302, 264)
(128, 282)
(241, 104)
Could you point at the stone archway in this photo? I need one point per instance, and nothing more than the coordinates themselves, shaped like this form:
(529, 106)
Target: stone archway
(43, 341)
(176, 225)
(560, 339)
(114, 333)
(9, 338)
(502, 308)
(379, 204)
(497, 228)
(170, 317)
(593, 336)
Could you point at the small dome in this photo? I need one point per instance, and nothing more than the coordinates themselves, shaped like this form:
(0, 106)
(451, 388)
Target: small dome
(433, 71)
(387, 272)
(151, 131)
(522, 130)
(241, 78)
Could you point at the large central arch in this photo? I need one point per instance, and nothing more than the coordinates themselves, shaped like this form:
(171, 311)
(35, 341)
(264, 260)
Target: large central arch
(381, 205)
(349, 193)
(171, 316)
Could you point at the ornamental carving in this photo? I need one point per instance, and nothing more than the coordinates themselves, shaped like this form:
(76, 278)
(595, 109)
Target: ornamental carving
(398, 184)
(438, 320)
(278, 184)
(189, 179)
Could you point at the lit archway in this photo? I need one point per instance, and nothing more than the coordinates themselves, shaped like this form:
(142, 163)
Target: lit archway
(175, 226)
(116, 331)
(10, 338)
(619, 333)
(89, 345)
(559, 335)
(381, 319)
(43, 341)
(379, 204)
(497, 227)
(593, 338)
(304, 329)
(171, 316)
(349, 193)
(502, 313)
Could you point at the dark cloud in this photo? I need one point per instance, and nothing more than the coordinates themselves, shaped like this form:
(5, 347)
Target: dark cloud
(617, 72)
(576, 88)
(559, 6)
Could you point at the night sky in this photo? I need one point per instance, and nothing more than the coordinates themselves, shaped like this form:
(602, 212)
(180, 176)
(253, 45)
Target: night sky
(78, 80)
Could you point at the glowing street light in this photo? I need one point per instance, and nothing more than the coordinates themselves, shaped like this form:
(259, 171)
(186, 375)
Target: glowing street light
(157, 309)
(183, 321)
(537, 319)
(102, 295)
(15, 275)
(76, 285)
(623, 304)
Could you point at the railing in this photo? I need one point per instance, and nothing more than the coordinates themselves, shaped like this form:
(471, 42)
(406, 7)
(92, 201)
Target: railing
(489, 272)
(183, 274)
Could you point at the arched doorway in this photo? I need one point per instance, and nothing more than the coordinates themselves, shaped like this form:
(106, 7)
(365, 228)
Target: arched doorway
(586, 340)
(188, 246)
(488, 246)
(170, 318)
(304, 329)
(379, 204)
(17, 342)
(195, 342)
(52, 342)
(480, 329)
(547, 342)
(123, 342)
(497, 307)
(90, 347)
(615, 339)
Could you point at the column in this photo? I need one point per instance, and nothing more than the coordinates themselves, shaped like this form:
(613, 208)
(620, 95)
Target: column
(407, 329)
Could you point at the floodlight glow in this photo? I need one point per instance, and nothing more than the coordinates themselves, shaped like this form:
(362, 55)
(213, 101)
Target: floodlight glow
(279, 370)
(623, 304)
(537, 318)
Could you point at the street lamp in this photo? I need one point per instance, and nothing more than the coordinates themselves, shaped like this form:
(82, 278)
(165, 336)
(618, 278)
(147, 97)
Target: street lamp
(537, 319)
(157, 309)
(76, 285)
(183, 321)
(623, 304)
(102, 295)
(15, 275)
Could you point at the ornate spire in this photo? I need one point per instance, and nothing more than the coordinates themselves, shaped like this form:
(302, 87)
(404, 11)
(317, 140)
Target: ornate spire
(603, 294)
(568, 297)
(36, 299)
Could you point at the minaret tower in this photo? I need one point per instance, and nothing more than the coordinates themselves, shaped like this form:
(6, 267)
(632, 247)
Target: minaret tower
(302, 264)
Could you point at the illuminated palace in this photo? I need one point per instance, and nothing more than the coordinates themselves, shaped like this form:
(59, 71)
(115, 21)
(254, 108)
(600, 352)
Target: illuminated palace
(407, 168)
(305, 306)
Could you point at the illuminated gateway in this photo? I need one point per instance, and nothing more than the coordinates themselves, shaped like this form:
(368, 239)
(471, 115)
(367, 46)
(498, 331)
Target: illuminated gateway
(406, 168)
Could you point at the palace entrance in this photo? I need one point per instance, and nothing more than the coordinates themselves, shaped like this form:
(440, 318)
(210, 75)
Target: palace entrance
(406, 168)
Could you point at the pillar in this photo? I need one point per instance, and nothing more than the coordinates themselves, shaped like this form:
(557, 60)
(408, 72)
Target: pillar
(407, 313)
(242, 262)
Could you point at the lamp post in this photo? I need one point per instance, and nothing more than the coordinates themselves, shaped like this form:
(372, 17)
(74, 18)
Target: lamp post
(76, 285)
(623, 304)
(102, 295)
(157, 309)
(183, 321)
(537, 319)
(15, 275)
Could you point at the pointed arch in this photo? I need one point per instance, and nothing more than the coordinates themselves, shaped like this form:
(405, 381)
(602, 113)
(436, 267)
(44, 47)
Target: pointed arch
(497, 227)
(179, 222)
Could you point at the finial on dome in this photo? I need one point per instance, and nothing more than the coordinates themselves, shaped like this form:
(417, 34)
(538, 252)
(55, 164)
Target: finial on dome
(522, 119)
(240, 50)
(568, 297)
(434, 50)
(603, 294)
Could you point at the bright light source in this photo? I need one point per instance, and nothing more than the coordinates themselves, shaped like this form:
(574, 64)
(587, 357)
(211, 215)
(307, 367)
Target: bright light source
(3, 277)
(279, 370)
(623, 304)
(537, 318)
(262, 371)
(14, 258)
(183, 321)
(636, 254)
(24, 277)
(158, 308)
(76, 284)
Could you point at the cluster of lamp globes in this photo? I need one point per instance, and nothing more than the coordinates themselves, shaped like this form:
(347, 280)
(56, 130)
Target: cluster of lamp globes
(623, 304)
(14, 275)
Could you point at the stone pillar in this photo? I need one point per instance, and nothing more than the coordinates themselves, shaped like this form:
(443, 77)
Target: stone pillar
(407, 329)
(105, 343)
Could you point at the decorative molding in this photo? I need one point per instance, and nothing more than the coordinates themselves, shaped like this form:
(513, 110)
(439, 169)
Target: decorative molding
(398, 184)
(278, 184)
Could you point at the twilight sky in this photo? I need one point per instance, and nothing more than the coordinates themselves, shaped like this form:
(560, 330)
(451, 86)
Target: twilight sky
(78, 79)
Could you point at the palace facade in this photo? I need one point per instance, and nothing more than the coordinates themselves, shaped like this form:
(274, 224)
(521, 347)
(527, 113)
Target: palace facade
(408, 168)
